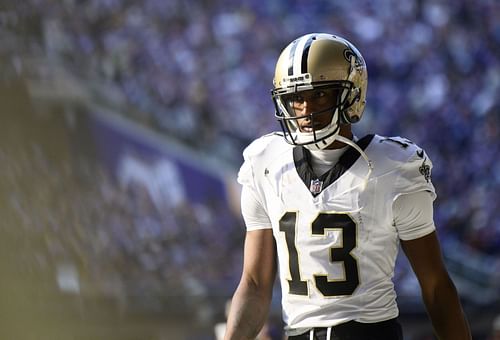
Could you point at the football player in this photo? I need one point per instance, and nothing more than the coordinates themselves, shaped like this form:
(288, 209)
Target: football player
(328, 210)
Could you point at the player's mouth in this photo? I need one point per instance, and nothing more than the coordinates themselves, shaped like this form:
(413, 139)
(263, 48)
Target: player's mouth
(310, 127)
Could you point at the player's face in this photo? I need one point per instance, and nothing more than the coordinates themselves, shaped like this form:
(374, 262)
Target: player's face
(316, 106)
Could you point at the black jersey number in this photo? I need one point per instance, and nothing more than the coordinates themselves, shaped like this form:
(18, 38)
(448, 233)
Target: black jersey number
(323, 222)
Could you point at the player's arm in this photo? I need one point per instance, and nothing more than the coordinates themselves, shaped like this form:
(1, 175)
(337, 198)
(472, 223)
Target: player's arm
(250, 304)
(438, 291)
(413, 218)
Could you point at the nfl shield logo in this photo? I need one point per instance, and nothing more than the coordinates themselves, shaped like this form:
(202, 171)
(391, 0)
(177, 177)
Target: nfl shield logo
(316, 186)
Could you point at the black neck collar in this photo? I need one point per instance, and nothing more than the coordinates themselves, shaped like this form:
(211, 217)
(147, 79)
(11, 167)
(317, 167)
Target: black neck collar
(302, 160)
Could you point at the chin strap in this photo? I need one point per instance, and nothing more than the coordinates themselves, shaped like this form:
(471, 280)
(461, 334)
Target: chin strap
(362, 153)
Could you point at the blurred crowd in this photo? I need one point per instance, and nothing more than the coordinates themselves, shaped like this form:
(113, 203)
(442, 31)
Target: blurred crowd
(110, 239)
(201, 71)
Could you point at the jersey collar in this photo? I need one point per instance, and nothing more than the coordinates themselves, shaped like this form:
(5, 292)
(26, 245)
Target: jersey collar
(302, 160)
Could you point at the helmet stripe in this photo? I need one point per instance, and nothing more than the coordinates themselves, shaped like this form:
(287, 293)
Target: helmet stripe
(298, 52)
(291, 57)
(305, 54)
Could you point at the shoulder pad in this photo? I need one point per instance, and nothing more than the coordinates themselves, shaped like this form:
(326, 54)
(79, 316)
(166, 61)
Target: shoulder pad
(398, 148)
(259, 145)
(406, 159)
(258, 153)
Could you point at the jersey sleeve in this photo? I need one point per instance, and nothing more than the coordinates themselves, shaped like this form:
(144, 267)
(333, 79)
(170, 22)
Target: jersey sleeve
(415, 174)
(252, 206)
(413, 215)
(413, 196)
(253, 212)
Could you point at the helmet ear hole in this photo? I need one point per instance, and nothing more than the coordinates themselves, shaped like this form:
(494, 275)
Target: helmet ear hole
(349, 115)
(354, 119)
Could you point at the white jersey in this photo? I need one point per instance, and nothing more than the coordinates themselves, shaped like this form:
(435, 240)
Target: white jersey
(335, 234)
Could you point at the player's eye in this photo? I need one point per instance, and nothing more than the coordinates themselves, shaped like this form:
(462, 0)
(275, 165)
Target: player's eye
(318, 94)
(296, 99)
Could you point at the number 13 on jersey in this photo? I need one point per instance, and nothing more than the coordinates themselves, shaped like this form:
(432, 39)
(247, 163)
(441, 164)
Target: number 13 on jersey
(328, 287)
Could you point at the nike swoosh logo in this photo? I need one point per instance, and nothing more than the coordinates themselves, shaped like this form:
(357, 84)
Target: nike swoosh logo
(420, 153)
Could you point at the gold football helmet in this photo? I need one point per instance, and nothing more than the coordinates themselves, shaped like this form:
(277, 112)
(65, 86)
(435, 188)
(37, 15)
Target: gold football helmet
(319, 62)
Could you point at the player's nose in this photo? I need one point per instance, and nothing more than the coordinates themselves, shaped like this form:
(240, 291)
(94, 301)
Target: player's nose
(305, 109)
